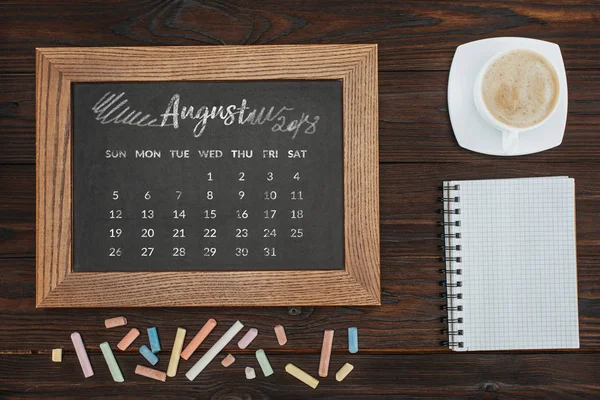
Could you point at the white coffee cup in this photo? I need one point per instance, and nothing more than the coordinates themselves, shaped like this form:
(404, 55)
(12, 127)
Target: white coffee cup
(510, 134)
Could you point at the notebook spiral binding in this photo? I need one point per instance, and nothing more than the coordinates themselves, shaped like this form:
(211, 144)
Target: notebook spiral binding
(452, 274)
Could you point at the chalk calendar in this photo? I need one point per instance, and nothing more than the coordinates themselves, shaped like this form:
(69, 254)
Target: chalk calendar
(208, 176)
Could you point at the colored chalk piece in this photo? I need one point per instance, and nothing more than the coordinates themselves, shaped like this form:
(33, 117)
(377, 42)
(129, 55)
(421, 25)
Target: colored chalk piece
(115, 322)
(57, 355)
(250, 374)
(227, 361)
(150, 373)
(280, 333)
(248, 338)
(128, 339)
(214, 350)
(326, 353)
(113, 367)
(301, 375)
(353, 339)
(176, 353)
(82, 355)
(265, 365)
(343, 372)
(148, 355)
(198, 339)
(153, 339)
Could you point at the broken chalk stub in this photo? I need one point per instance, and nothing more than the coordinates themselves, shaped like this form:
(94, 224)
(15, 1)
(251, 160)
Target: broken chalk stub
(280, 333)
(57, 355)
(248, 338)
(115, 322)
(227, 361)
(343, 372)
(128, 339)
(250, 374)
(148, 355)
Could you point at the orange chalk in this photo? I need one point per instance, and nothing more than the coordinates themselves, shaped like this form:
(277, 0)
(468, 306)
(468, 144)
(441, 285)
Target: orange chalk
(227, 361)
(198, 339)
(326, 353)
(280, 333)
(128, 339)
(151, 373)
(114, 322)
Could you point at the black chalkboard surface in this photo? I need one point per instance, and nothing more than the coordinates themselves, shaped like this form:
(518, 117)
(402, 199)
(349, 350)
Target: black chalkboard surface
(221, 176)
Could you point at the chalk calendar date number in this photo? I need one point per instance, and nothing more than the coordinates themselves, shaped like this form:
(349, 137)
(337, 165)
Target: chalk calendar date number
(187, 223)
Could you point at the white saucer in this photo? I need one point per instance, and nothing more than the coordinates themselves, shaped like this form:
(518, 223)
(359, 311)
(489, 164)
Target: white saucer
(471, 131)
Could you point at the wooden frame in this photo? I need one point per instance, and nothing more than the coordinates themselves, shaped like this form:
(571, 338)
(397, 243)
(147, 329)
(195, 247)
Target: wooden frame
(58, 286)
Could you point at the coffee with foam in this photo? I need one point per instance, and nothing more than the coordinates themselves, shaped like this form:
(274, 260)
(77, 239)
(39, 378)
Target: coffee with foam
(520, 89)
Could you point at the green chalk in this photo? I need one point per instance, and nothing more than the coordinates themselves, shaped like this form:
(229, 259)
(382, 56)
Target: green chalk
(265, 365)
(115, 371)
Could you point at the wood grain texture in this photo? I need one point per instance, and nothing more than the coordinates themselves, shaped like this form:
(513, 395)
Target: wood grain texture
(413, 120)
(53, 178)
(417, 40)
(413, 35)
(407, 321)
(58, 286)
(447, 376)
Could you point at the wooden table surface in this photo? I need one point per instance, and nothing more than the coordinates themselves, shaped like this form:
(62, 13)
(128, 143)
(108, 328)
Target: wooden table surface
(399, 357)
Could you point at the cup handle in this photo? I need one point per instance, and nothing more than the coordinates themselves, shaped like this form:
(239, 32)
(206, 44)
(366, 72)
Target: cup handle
(510, 142)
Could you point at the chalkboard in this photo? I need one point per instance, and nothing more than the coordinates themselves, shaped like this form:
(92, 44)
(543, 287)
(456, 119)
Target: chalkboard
(207, 176)
(219, 176)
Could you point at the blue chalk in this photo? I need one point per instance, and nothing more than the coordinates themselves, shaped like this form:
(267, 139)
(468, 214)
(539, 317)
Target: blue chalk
(153, 337)
(148, 355)
(353, 340)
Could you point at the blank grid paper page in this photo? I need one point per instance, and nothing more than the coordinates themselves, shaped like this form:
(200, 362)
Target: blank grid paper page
(519, 267)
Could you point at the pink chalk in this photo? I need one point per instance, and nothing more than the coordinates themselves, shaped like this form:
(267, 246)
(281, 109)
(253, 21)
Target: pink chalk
(82, 355)
(326, 353)
(280, 333)
(248, 338)
(227, 361)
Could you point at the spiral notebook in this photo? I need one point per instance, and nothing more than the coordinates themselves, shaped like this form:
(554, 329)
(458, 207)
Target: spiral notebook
(511, 266)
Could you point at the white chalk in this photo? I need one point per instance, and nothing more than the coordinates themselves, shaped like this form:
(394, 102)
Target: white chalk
(214, 350)
(250, 373)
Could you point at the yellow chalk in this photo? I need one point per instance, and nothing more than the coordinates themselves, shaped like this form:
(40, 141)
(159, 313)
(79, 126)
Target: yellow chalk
(57, 355)
(176, 353)
(301, 375)
(343, 372)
